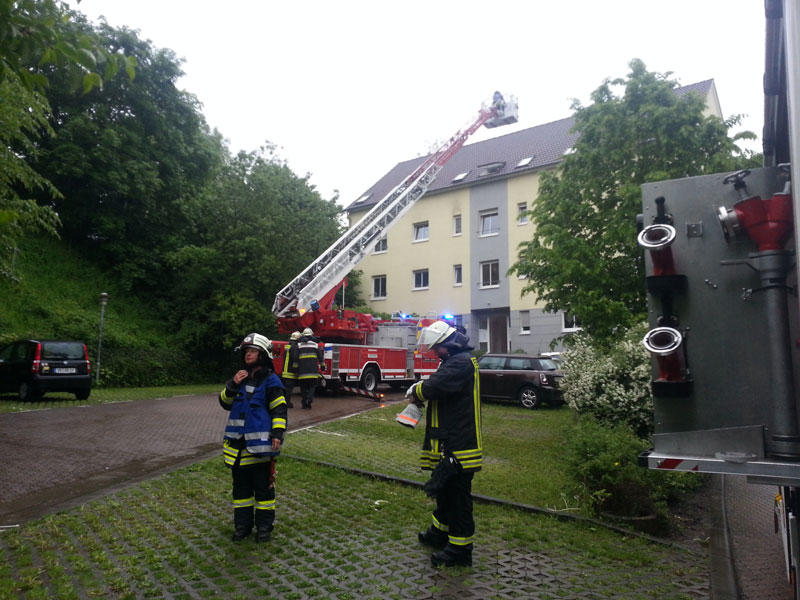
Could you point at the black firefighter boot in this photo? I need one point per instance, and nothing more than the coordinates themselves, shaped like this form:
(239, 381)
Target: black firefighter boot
(242, 523)
(433, 537)
(452, 556)
(264, 524)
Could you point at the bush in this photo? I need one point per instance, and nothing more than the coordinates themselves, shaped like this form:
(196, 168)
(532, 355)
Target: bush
(603, 463)
(611, 384)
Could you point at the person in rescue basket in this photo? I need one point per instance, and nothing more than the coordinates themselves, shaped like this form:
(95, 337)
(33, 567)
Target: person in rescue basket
(311, 360)
(289, 371)
(452, 448)
(253, 437)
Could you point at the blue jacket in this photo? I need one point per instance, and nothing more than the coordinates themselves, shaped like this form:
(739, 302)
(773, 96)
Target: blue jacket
(258, 414)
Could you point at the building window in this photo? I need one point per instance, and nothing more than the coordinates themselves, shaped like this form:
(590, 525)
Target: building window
(490, 274)
(379, 287)
(524, 322)
(460, 177)
(456, 274)
(522, 216)
(381, 246)
(421, 279)
(421, 232)
(524, 162)
(457, 225)
(569, 322)
(490, 224)
(490, 168)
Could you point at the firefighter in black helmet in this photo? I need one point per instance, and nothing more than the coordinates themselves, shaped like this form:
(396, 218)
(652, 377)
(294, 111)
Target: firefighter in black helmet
(289, 371)
(452, 448)
(253, 437)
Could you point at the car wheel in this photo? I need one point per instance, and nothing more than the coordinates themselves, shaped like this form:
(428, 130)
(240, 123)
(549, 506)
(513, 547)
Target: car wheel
(370, 379)
(528, 397)
(83, 394)
(26, 392)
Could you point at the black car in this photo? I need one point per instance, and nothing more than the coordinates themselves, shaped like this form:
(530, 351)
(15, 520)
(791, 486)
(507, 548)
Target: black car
(529, 380)
(34, 367)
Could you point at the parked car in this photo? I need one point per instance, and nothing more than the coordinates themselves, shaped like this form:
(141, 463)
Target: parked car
(34, 367)
(529, 380)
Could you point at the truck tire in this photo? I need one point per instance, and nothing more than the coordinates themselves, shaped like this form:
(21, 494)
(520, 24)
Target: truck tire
(26, 392)
(370, 378)
(528, 397)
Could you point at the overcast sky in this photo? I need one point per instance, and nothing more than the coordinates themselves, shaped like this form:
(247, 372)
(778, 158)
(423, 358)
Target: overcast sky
(348, 89)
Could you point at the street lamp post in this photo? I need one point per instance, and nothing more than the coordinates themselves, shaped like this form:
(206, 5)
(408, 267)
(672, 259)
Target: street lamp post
(103, 302)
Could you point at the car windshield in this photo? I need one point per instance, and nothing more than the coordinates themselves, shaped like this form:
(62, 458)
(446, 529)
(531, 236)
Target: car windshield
(62, 351)
(548, 364)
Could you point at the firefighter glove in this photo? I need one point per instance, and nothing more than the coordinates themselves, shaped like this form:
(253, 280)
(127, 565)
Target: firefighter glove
(447, 467)
(410, 392)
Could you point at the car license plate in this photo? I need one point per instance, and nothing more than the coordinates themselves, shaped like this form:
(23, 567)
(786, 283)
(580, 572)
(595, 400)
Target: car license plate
(64, 370)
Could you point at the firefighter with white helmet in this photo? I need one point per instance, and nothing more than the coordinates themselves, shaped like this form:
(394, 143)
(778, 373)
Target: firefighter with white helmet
(310, 361)
(253, 437)
(452, 448)
(289, 371)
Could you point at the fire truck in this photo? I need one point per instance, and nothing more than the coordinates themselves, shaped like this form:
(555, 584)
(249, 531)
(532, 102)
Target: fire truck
(360, 350)
(722, 273)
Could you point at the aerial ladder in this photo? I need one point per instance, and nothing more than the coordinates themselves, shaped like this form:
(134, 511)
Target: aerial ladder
(306, 301)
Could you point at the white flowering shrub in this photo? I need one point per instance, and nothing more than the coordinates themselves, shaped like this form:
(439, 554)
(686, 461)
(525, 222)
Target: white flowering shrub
(611, 383)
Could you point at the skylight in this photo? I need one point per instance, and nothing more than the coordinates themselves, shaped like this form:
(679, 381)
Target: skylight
(524, 162)
(460, 176)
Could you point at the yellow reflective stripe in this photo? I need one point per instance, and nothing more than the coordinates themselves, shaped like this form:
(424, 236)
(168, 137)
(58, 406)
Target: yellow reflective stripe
(312, 355)
(249, 459)
(277, 401)
(223, 395)
(244, 502)
(418, 393)
(476, 402)
(439, 525)
(265, 504)
(279, 423)
(313, 376)
(460, 541)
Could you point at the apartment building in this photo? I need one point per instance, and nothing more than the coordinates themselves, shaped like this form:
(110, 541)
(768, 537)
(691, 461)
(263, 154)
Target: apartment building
(449, 254)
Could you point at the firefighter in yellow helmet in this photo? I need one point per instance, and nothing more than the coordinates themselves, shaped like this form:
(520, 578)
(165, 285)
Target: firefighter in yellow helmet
(253, 437)
(452, 448)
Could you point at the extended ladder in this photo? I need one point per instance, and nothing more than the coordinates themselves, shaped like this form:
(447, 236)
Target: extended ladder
(328, 270)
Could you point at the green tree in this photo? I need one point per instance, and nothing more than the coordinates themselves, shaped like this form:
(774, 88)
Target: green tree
(36, 40)
(254, 229)
(128, 158)
(583, 257)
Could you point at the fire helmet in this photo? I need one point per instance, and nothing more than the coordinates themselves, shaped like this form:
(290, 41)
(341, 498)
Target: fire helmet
(434, 334)
(259, 342)
(307, 331)
(295, 335)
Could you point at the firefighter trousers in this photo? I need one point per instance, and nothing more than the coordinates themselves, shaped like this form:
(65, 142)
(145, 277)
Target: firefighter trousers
(254, 488)
(453, 512)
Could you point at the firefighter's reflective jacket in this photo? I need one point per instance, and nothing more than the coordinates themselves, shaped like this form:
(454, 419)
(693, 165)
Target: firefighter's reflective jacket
(453, 418)
(258, 414)
(290, 358)
(310, 359)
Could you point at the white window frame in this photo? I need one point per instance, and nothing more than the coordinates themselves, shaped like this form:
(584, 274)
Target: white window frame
(524, 322)
(522, 219)
(457, 222)
(422, 274)
(483, 266)
(489, 214)
(375, 280)
(381, 246)
(458, 276)
(573, 327)
(419, 229)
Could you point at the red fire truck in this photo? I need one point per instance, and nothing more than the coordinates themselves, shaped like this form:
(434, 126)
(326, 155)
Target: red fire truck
(359, 349)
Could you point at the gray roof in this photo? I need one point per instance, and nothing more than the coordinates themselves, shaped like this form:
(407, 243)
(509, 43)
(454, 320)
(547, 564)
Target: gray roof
(545, 143)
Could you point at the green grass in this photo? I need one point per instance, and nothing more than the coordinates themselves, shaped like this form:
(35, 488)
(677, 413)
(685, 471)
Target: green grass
(523, 458)
(11, 403)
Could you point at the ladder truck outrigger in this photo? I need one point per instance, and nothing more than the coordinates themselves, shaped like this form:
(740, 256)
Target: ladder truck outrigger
(361, 351)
